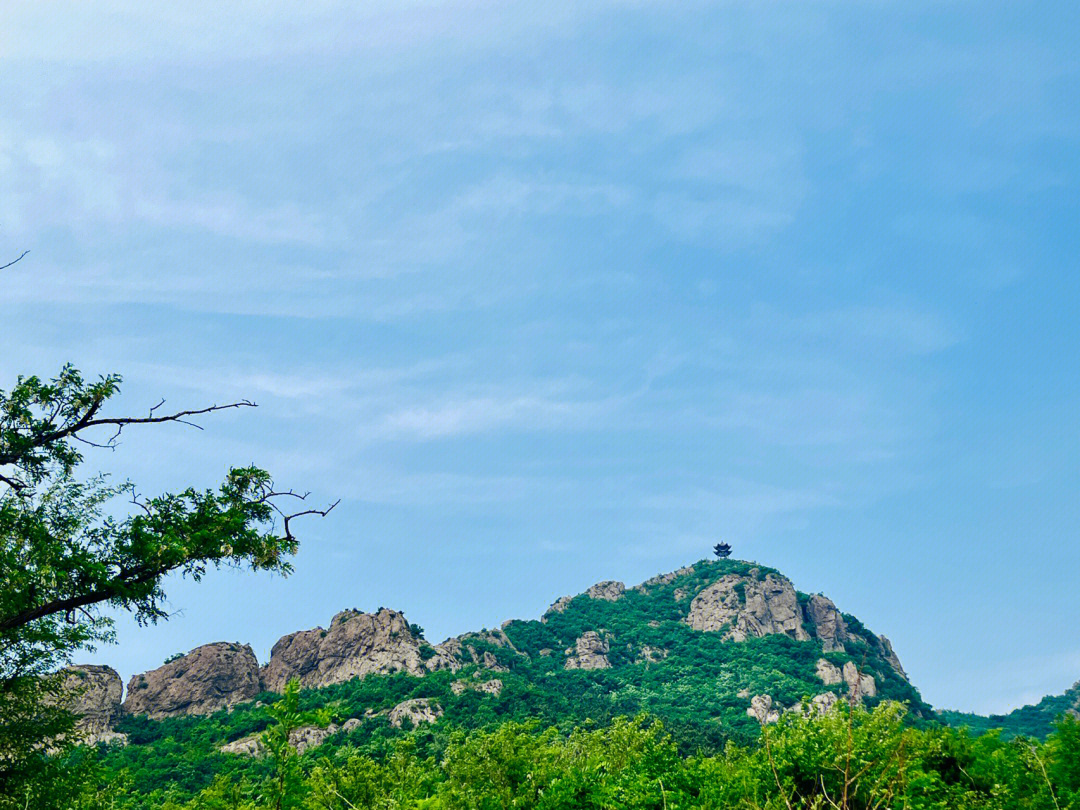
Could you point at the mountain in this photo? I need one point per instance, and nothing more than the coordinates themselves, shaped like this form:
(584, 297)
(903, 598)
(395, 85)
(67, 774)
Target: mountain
(1028, 721)
(713, 649)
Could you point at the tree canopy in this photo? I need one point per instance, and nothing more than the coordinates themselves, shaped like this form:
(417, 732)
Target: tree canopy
(65, 560)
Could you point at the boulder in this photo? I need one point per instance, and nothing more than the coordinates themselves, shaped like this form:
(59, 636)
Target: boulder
(824, 703)
(589, 652)
(355, 645)
(748, 607)
(211, 677)
(307, 737)
(829, 673)
(417, 710)
(489, 687)
(761, 709)
(859, 685)
(609, 590)
(302, 739)
(245, 747)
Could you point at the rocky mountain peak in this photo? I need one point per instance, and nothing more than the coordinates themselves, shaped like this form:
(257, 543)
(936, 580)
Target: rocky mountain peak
(209, 678)
(737, 600)
(355, 645)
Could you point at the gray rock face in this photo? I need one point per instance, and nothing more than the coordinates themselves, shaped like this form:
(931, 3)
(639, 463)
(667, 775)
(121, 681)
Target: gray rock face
(824, 703)
(859, 685)
(761, 709)
(357, 644)
(829, 673)
(748, 607)
(417, 710)
(890, 655)
(468, 648)
(211, 677)
(302, 739)
(663, 579)
(608, 590)
(830, 625)
(245, 747)
(589, 652)
(558, 606)
(307, 737)
(94, 693)
(490, 687)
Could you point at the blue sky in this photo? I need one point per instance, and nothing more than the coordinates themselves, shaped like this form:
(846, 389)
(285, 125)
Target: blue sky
(553, 293)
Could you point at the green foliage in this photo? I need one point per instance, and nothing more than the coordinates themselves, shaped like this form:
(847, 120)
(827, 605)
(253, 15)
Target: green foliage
(64, 557)
(851, 759)
(694, 690)
(1028, 721)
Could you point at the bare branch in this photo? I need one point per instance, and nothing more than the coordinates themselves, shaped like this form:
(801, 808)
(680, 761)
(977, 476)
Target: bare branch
(319, 512)
(88, 420)
(14, 261)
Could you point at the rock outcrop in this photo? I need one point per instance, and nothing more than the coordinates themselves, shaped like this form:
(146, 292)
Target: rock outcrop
(746, 606)
(859, 685)
(664, 579)
(302, 739)
(829, 673)
(887, 652)
(490, 687)
(558, 606)
(652, 655)
(470, 649)
(830, 627)
(589, 652)
(209, 678)
(417, 710)
(355, 645)
(608, 590)
(762, 709)
(750, 604)
(245, 747)
(824, 703)
(93, 694)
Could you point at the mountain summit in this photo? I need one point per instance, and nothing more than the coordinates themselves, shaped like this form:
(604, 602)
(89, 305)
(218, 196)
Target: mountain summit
(714, 648)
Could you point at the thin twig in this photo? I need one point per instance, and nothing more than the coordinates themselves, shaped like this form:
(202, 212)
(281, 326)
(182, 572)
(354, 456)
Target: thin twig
(15, 261)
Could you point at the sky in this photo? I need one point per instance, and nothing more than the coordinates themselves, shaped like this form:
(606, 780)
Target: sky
(550, 293)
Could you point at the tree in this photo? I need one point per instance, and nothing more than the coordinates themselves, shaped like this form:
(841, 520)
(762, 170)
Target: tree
(722, 550)
(63, 558)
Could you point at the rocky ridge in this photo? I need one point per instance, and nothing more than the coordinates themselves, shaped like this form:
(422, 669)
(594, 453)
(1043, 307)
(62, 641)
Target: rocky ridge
(739, 602)
(356, 644)
(209, 678)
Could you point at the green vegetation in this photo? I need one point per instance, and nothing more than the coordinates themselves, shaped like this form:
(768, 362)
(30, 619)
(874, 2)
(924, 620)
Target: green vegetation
(850, 758)
(697, 687)
(1028, 721)
(64, 556)
(664, 726)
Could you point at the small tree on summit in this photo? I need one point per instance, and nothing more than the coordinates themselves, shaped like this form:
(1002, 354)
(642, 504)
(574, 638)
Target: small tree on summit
(722, 550)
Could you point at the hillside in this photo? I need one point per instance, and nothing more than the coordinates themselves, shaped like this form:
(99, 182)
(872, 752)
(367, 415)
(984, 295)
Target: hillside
(712, 650)
(1028, 721)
